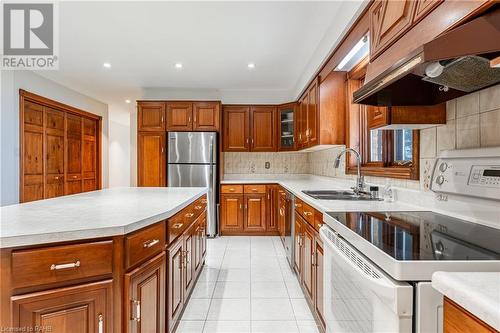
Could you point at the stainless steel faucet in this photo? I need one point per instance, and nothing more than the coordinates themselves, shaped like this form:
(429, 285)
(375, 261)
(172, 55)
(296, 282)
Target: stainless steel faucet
(360, 180)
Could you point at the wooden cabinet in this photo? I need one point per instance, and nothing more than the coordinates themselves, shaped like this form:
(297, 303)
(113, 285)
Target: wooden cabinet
(231, 213)
(287, 114)
(84, 308)
(308, 259)
(236, 120)
(390, 20)
(308, 118)
(144, 295)
(249, 128)
(459, 320)
(206, 116)
(263, 128)
(193, 116)
(309, 255)
(249, 209)
(405, 116)
(151, 163)
(298, 254)
(150, 116)
(60, 149)
(318, 267)
(175, 291)
(179, 116)
(255, 212)
(189, 258)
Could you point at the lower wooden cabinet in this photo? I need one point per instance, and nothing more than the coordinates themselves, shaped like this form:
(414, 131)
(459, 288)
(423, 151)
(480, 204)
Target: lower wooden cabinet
(308, 262)
(84, 308)
(175, 277)
(459, 320)
(144, 295)
(249, 209)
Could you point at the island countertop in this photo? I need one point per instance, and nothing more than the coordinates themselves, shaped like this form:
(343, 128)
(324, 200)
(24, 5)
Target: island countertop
(103, 213)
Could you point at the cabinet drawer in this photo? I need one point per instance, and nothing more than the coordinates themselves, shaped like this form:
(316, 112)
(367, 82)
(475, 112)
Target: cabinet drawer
(176, 226)
(318, 220)
(308, 213)
(254, 189)
(299, 205)
(200, 205)
(143, 244)
(232, 189)
(41, 266)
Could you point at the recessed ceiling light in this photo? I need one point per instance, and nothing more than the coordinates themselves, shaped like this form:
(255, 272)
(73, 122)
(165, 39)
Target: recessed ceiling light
(107, 65)
(127, 101)
(251, 65)
(178, 65)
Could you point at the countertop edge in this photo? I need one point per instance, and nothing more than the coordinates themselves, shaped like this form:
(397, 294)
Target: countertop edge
(85, 234)
(468, 297)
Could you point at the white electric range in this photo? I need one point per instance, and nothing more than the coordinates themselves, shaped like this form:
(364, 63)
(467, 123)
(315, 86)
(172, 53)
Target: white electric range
(378, 265)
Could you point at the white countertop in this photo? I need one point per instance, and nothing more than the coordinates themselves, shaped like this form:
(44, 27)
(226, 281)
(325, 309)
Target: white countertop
(104, 213)
(478, 293)
(297, 183)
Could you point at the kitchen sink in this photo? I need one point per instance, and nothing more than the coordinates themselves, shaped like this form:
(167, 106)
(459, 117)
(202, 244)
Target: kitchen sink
(339, 195)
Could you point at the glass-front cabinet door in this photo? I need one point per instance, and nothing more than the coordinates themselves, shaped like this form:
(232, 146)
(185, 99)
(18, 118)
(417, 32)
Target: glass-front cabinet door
(286, 131)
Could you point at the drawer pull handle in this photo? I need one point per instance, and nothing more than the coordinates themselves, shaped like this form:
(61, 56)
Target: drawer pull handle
(100, 320)
(298, 205)
(254, 190)
(55, 267)
(204, 201)
(198, 207)
(56, 177)
(150, 243)
(308, 213)
(231, 189)
(188, 215)
(74, 177)
(177, 225)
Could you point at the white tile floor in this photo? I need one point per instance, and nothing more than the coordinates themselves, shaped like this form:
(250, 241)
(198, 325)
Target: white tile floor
(247, 286)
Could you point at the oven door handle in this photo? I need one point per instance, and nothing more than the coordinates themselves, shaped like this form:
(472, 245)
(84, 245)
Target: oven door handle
(396, 295)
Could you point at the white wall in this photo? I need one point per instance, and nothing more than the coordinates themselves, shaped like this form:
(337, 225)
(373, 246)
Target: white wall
(11, 82)
(119, 145)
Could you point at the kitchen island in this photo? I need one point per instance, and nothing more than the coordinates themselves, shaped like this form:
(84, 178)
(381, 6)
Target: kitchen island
(96, 259)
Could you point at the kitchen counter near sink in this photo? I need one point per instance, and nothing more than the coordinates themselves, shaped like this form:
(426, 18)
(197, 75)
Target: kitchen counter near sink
(103, 213)
(298, 183)
(476, 292)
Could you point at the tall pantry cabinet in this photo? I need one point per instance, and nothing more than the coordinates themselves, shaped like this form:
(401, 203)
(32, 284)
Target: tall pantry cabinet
(60, 149)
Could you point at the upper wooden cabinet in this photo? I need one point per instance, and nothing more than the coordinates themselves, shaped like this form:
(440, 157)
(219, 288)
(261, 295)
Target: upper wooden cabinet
(286, 126)
(179, 116)
(151, 159)
(60, 149)
(150, 116)
(411, 117)
(206, 116)
(236, 128)
(307, 117)
(389, 20)
(263, 128)
(249, 128)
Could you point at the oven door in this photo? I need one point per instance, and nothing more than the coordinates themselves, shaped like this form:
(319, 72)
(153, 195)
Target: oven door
(358, 296)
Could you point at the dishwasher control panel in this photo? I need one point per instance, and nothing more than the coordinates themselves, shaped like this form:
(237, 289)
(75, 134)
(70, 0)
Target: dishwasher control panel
(471, 172)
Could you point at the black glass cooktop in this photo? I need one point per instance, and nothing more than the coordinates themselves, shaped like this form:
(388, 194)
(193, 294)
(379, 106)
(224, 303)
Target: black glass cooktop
(423, 235)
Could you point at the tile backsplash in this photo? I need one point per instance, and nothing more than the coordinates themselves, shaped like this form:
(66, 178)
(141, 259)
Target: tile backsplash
(473, 121)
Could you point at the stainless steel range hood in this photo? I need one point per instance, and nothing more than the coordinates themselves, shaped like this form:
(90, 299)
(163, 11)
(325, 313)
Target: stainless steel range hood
(454, 64)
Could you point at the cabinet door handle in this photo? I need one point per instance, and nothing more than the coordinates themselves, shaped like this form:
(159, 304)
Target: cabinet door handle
(187, 258)
(55, 267)
(189, 119)
(188, 215)
(150, 243)
(177, 225)
(100, 323)
(241, 206)
(136, 314)
(312, 259)
(248, 140)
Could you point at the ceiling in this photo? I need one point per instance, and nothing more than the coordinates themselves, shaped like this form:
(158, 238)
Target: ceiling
(214, 41)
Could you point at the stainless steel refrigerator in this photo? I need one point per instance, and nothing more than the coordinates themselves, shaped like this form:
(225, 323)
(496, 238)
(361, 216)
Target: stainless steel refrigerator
(192, 162)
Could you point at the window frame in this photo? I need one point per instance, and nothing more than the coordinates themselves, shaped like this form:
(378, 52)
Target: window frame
(358, 137)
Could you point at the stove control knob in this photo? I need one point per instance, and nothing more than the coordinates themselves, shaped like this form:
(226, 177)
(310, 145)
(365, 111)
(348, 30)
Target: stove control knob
(443, 166)
(440, 180)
